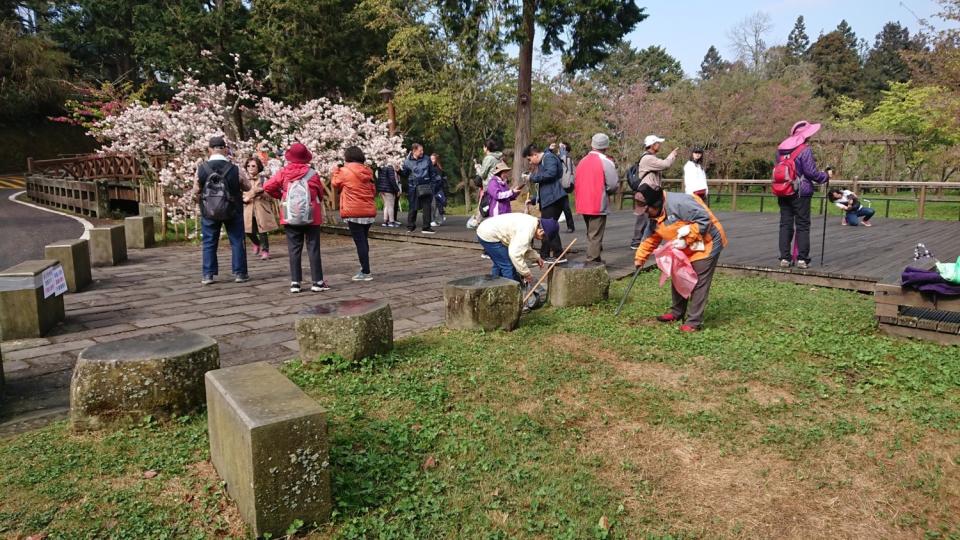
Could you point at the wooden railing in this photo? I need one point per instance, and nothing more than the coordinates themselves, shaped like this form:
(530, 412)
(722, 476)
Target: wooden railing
(747, 188)
(93, 167)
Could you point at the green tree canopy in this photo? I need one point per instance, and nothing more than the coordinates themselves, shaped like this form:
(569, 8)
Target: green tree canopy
(712, 64)
(836, 66)
(798, 42)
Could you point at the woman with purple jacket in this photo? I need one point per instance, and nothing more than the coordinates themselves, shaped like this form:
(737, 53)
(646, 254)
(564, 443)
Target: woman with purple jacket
(499, 190)
(795, 209)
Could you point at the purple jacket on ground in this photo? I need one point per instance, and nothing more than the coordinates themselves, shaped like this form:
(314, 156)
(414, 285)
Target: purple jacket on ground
(500, 196)
(928, 281)
(807, 168)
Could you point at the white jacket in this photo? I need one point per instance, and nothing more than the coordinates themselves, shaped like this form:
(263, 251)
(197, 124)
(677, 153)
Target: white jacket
(516, 231)
(694, 178)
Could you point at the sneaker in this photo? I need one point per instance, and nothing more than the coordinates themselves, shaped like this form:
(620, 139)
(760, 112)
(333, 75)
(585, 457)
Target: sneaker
(241, 278)
(362, 277)
(803, 265)
(207, 280)
(396, 224)
(866, 224)
(484, 256)
(411, 229)
(428, 231)
(686, 328)
(784, 263)
(385, 224)
(264, 255)
(667, 317)
(256, 250)
(634, 247)
(571, 231)
(294, 287)
(320, 286)
(434, 224)
(549, 260)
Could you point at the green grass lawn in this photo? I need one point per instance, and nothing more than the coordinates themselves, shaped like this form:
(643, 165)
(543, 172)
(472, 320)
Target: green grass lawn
(789, 416)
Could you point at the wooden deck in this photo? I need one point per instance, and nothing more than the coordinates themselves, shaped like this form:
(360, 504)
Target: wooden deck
(856, 257)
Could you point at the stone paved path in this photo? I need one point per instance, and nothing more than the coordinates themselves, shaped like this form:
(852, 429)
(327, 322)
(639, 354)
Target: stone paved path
(158, 290)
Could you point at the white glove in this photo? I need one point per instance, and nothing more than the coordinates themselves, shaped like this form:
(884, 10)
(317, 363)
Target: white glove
(679, 243)
(683, 231)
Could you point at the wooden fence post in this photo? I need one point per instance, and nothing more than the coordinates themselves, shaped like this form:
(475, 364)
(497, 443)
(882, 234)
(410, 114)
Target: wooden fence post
(921, 207)
(733, 195)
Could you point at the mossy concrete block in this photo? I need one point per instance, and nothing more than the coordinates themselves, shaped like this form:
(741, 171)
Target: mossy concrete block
(482, 303)
(126, 380)
(74, 256)
(578, 284)
(24, 312)
(139, 232)
(269, 443)
(353, 329)
(108, 245)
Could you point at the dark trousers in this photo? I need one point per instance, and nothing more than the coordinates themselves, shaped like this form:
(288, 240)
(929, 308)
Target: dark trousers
(596, 225)
(794, 218)
(552, 247)
(360, 233)
(640, 228)
(568, 215)
(693, 307)
(500, 257)
(211, 239)
(297, 235)
(423, 204)
(257, 238)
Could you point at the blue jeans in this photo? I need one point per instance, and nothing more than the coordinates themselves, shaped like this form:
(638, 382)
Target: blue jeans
(211, 239)
(853, 218)
(500, 255)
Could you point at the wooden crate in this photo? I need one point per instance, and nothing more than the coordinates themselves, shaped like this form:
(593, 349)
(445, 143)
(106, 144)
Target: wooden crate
(908, 313)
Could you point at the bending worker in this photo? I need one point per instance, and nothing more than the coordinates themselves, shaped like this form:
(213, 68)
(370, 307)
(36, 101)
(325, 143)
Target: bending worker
(507, 239)
(685, 221)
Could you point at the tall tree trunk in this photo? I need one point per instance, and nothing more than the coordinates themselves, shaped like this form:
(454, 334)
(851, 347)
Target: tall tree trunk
(524, 88)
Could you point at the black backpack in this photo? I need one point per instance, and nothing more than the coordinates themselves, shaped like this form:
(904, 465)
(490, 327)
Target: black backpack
(217, 201)
(633, 176)
(485, 203)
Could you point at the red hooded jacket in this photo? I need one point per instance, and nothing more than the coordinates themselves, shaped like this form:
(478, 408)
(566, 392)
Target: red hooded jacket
(278, 184)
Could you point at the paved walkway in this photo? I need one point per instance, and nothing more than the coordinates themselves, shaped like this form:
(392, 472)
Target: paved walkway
(158, 290)
(40, 228)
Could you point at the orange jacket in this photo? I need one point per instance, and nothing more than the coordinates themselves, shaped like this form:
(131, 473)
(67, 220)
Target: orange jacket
(357, 191)
(705, 238)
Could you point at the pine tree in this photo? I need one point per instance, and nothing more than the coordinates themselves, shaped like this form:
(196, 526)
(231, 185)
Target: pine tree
(884, 64)
(798, 42)
(849, 36)
(836, 66)
(712, 64)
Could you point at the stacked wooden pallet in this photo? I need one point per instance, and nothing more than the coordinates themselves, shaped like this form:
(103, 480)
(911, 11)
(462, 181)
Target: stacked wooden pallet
(908, 313)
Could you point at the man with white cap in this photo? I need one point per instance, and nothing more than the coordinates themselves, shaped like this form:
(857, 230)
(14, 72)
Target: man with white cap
(595, 178)
(650, 171)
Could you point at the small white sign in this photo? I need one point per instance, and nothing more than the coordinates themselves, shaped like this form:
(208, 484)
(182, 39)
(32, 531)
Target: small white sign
(54, 281)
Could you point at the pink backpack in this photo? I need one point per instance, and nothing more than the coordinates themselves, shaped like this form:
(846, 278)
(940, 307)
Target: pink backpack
(786, 181)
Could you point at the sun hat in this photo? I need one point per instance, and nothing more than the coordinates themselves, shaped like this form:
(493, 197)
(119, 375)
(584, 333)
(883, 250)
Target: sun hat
(651, 140)
(500, 167)
(799, 133)
(298, 153)
(600, 141)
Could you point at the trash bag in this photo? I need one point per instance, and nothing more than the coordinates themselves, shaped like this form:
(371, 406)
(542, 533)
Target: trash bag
(473, 222)
(950, 271)
(675, 264)
(537, 299)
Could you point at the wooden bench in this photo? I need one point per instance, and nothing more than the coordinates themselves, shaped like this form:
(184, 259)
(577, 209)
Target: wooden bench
(909, 313)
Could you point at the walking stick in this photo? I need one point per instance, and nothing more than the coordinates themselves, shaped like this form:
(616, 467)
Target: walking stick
(627, 293)
(545, 274)
(823, 238)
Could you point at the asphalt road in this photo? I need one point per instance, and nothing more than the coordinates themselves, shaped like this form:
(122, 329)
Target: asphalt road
(24, 230)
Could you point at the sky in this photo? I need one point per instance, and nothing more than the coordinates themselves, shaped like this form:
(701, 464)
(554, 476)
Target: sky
(687, 28)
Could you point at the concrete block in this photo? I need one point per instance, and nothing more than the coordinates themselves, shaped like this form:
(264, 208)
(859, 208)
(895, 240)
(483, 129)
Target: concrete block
(74, 256)
(578, 284)
(108, 245)
(269, 443)
(139, 232)
(24, 312)
(482, 303)
(123, 381)
(353, 329)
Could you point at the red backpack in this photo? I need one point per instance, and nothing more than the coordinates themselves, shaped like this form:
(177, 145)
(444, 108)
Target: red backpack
(786, 181)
